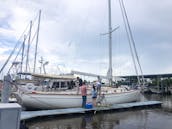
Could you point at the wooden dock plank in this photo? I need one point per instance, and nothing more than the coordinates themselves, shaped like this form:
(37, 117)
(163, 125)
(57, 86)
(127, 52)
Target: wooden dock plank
(32, 114)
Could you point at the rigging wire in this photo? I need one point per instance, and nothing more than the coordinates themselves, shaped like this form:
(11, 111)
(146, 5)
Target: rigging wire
(15, 58)
(28, 46)
(128, 36)
(116, 51)
(132, 39)
(31, 44)
(17, 55)
(21, 49)
(22, 54)
(100, 59)
(99, 45)
(18, 41)
(36, 47)
(15, 47)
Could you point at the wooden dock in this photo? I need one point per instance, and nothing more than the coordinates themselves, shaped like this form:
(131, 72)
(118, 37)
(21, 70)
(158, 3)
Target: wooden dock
(25, 115)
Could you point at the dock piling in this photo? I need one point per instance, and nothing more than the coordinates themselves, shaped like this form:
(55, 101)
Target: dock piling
(6, 90)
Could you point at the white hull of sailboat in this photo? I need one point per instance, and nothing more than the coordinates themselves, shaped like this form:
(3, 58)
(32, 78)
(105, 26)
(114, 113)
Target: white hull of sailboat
(54, 101)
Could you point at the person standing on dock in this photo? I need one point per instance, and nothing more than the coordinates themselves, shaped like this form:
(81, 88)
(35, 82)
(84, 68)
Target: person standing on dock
(94, 95)
(98, 85)
(84, 94)
(78, 84)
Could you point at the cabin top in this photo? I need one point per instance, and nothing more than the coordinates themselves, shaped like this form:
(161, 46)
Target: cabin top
(51, 76)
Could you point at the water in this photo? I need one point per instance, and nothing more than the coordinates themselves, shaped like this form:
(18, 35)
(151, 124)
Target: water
(155, 118)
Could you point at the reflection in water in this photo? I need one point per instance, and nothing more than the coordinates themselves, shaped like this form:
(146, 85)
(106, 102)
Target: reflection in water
(165, 99)
(137, 119)
(98, 121)
(23, 125)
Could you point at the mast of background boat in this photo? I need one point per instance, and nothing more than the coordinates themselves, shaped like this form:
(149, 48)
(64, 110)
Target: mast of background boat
(23, 47)
(37, 41)
(28, 47)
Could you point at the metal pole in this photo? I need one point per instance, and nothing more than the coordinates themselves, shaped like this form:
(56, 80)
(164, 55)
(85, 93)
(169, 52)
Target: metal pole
(23, 47)
(27, 59)
(36, 47)
(110, 45)
(41, 62)
(6, 90)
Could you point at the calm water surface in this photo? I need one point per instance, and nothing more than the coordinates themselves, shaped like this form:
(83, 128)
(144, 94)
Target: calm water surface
(156, 118)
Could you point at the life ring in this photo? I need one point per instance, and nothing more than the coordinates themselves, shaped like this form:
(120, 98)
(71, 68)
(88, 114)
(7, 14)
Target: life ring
(30, 86)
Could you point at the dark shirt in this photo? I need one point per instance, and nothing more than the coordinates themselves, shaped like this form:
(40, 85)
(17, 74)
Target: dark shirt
(80, 82)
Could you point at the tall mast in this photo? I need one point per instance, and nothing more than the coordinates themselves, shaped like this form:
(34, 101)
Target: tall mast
(110, 45)
(23, 47)
(28, 47)
(36, 47)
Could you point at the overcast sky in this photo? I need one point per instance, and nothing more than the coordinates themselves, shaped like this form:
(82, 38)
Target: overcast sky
(70, 34)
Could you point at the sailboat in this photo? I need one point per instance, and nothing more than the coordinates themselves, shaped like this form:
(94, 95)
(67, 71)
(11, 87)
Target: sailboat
(69, 98)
